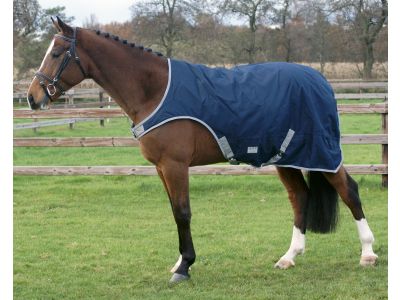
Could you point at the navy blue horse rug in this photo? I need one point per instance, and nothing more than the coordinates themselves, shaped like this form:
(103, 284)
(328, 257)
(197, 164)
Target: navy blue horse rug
(279, 114)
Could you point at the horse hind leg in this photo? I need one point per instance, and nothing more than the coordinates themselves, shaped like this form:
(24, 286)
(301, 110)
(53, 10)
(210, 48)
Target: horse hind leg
(347, 188)
(297, 189)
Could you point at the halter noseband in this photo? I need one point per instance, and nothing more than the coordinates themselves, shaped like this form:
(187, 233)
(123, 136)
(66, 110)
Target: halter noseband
(51, 88)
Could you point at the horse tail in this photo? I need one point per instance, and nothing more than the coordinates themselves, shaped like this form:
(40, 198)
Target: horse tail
(322, 208)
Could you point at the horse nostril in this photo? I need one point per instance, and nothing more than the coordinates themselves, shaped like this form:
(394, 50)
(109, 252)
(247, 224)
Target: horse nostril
(31, 102)
(30, 99)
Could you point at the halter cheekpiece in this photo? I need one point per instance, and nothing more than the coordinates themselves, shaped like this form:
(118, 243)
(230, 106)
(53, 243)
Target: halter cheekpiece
(53, 85)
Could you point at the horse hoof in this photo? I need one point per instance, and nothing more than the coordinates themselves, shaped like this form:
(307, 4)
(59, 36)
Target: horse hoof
(284, 264)
(177, 278)
(368, 260)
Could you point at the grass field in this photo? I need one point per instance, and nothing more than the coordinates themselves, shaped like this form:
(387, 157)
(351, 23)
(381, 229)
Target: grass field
(115, 238)
(100, 237)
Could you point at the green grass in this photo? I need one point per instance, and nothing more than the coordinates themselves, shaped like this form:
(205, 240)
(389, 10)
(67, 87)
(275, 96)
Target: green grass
(114, 238)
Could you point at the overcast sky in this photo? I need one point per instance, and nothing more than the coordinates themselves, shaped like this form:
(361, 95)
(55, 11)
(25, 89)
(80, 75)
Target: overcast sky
(106, 11)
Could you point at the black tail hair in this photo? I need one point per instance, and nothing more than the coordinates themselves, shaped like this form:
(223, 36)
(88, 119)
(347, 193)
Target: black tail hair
(322, 209)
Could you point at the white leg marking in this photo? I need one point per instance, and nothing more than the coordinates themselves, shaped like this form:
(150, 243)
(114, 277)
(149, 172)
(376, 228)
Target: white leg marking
(368, 257)
(177, 264)
(297, 247)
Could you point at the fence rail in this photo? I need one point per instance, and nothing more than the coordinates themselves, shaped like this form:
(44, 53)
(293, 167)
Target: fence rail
(52, 123)
(199, 170)
(355, 96)
(359, 85)
(347, 139)
(95, 92)
(381, 108)
(93, 104)
(23, 85)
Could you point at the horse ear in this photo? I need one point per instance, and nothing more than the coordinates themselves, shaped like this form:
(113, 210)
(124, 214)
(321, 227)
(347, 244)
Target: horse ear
(55, 23)
(62, 27)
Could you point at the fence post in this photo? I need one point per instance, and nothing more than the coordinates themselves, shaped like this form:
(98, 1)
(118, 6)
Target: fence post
(35, 129)
(109, 106)
(101, 100)
(70, 102)
(385, 148)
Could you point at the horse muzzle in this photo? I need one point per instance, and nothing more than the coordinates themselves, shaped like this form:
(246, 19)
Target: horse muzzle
(42, 105)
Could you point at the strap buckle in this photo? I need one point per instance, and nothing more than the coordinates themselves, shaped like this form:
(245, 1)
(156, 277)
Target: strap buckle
(137, 132)
(51, 89)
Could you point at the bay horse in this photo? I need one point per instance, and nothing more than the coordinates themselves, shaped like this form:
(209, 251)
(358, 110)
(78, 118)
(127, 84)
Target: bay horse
(137, 79)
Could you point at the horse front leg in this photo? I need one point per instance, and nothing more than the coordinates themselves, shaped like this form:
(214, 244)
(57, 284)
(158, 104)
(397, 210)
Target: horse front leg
(178, 263)
(175, 177)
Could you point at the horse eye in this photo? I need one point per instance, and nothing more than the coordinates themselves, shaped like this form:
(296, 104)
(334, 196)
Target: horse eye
(55, 54)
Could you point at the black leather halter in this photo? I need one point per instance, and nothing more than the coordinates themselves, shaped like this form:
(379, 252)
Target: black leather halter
(53, 85)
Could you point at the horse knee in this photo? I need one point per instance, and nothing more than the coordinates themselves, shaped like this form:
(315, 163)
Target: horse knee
(182, 215)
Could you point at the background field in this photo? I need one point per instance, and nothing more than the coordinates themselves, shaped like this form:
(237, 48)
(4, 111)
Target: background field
(114, 237)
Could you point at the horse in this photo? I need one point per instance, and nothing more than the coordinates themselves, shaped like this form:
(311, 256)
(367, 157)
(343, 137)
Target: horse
(137, 79)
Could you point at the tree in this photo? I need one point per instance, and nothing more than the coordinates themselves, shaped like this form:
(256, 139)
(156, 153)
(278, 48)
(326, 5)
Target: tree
(254, 11)
(125, 30)
(284, 15)
(33, 31)
(26, 15)
(320, 37)
(47, 29)
(291, 15)
(204, 45)
(231, 41)
(162, 20)
(91, 22)
(208, 32)
(317, 14)
(367, 17)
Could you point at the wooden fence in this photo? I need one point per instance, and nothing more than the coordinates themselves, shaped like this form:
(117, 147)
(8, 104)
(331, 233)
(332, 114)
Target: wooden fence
(95, 92)
(86, 110)
(199, 170)
(36, 125)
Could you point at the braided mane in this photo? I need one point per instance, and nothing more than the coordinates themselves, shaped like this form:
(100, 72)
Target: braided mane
(125, 42)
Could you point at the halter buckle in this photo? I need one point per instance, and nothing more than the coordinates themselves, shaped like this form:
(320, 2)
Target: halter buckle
(51, 89)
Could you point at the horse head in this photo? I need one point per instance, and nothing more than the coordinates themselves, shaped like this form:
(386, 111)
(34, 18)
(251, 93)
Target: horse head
(60, 70)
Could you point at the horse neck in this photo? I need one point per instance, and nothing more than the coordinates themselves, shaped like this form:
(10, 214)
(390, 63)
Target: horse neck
(134, 78)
